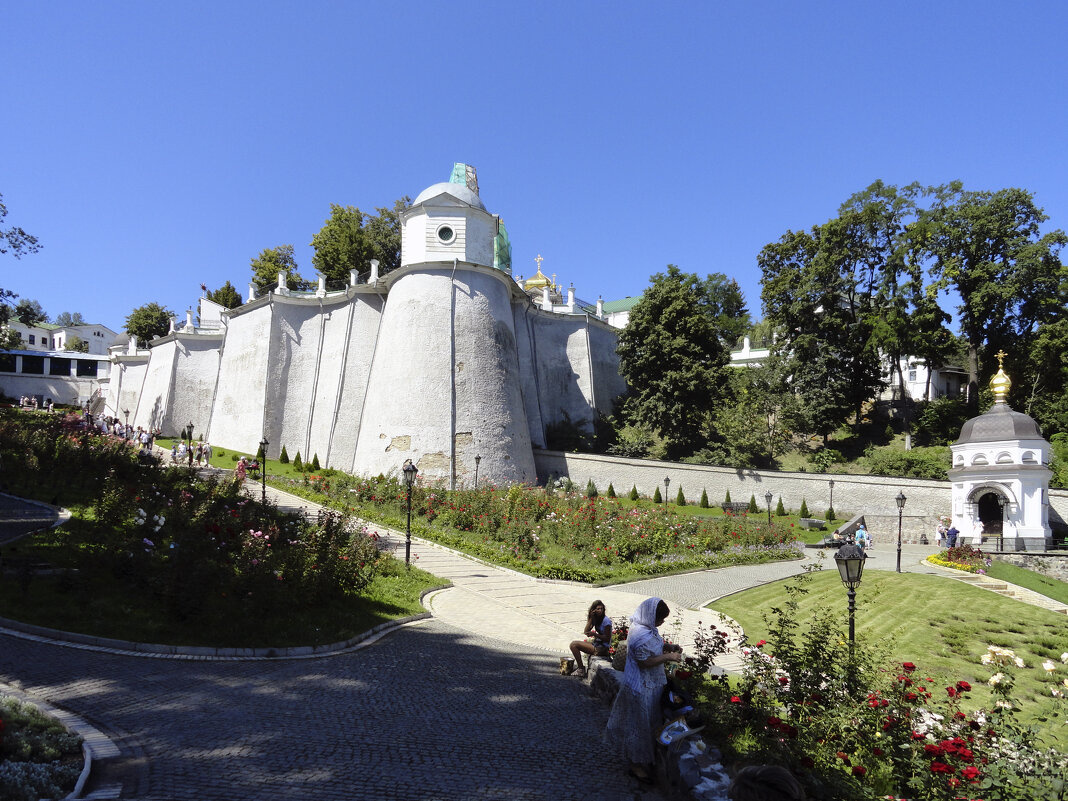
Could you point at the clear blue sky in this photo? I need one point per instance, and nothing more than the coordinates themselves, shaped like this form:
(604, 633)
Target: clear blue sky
(153, 147)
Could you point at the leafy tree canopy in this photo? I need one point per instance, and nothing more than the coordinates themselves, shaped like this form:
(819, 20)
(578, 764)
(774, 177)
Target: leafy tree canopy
(271, 262)
(14, 239)
(227, 295)
(67, 318)
(349, 239)
(30, 312)
(148, 322)
(76, 344)
(672, 356)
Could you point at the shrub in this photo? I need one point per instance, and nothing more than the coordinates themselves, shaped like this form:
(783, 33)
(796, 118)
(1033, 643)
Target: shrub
(298, 465)
(918, 463)
(804, 508)
(657, 497)
(234, 457)
(704, 499)
(283, 457)
(591, 489)
(727, 497)
(261, 457)
(830, 514)
(611, 492)
(939, 421)
(753, 508)
(633, 493)
(780, 510)
(680, 499)
(315, 462)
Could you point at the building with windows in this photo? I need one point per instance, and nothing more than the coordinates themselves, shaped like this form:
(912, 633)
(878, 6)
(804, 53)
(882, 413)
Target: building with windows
(50, 337)
(60, 376)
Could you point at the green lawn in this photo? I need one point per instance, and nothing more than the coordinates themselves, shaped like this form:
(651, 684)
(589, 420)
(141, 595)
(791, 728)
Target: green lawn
(1028, 579)
(943, 626)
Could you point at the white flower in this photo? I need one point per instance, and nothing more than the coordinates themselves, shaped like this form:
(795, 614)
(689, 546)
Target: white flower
(1064, 657)
(1056, 693)
(986, 659)
(996, 679)
(1049, 666)
(1004, 704)
(1019, 662)
(1066, 682)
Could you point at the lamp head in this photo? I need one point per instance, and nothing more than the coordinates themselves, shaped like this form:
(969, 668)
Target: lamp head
(410, 471)
(850, 560)
(477, 459)
(900, 499)
(768, 496)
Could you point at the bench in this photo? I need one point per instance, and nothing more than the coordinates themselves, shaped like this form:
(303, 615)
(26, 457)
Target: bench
(735, 507)
(812, 524)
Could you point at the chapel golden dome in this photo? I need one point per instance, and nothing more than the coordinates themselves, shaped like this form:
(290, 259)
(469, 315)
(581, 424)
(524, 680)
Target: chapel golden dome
(1000, 383)
(538, 280)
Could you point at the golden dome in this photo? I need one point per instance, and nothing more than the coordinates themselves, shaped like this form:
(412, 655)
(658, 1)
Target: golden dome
(537, 281)
(1000, 383)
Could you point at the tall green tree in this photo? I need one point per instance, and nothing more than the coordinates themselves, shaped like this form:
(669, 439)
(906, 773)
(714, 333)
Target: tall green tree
(672, 357)
(76, 344)
(67, 318)
(227, 295)
(349, 239)
(30, 312)
(726, 305)
(271, 262)
(148, 322)
(14, 240)
(988, 247)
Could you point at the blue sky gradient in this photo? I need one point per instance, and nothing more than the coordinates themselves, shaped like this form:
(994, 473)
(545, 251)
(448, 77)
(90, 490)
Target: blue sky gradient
(154, 147)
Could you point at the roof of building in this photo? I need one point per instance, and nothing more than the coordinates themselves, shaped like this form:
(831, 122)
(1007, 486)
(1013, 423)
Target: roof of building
(621, 305)
(998, 423)
(458, 191)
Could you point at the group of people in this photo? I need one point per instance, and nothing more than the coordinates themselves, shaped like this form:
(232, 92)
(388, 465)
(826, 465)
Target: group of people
(27, 402)
(636, 719)
(199, 454)
(861, 537)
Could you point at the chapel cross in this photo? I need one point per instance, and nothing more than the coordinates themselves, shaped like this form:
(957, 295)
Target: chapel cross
(1001, 355)
(539, 260)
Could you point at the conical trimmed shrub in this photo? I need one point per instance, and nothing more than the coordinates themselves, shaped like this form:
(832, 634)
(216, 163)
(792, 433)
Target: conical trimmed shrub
(680, 499)
(657, 497)
(315, 462)
(634, 493)
(283, 457)
(611, 491)
(297, 463)
(753, 508)
(727, 497)
(704, 499)
(780, 510)
(804, 508)
(591, 489)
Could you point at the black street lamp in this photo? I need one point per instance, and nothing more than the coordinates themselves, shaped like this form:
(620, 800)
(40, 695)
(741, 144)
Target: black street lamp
(900, 511)
(477, 460)
(830, 483)
(667, 482)
(190, 433)
(126, 430)
(850, 560)
(263, 469)
(1001, 531)
(410, 472)
(767, 500)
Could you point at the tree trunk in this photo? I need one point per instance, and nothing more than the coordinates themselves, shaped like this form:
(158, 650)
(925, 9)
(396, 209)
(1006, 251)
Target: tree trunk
(973, 380)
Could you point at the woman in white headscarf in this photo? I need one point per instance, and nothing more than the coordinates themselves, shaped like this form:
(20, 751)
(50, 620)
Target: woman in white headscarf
(635, 715)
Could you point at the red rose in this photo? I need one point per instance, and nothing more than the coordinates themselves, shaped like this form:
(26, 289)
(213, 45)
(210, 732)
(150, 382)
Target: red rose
(941, 767)
(877, 751)
(963, 686)
(735, 699)
(859, 770)
(908, 667)
(784, 679)
(774, 722)
(761, 643)
(682, 674)
(932, 750)
(952, 691)
(971, 773)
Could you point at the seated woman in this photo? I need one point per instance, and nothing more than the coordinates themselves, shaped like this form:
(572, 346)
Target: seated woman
(599, 630)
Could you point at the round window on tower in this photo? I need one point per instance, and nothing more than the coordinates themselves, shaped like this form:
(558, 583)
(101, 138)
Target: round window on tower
(446, 234)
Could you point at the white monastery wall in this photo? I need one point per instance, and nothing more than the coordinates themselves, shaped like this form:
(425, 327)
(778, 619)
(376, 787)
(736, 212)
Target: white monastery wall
(296, 348)
(608, 384)
(153, 407)
(444, 385)
(523, 320)
(240, 397)
(196, 369)
(563, 368)
(127, 381)
(365, 316)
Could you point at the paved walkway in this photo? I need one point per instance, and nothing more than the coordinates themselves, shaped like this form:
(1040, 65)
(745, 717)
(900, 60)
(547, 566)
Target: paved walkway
(467, 705)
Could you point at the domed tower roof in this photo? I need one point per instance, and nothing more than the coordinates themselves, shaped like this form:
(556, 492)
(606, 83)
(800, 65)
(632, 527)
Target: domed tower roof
(999, 422)
(122, 339)
(458, 191)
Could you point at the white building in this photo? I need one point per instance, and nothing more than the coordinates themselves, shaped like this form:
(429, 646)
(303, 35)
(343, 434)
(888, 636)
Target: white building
(60, 376)
(1000, 478)
(50, 337)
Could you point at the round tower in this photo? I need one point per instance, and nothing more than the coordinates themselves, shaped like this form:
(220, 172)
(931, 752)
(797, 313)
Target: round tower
(444, 384)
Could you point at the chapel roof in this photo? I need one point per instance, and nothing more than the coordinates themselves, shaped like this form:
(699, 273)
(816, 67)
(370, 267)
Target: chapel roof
(999, 422)
(626, 304)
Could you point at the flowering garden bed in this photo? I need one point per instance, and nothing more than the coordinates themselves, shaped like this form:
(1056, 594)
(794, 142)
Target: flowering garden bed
(562, 535)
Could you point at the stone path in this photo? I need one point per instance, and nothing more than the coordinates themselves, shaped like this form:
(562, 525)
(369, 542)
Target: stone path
(19, 517)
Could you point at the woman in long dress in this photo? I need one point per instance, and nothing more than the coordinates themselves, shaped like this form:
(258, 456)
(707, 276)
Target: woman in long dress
(635, 716)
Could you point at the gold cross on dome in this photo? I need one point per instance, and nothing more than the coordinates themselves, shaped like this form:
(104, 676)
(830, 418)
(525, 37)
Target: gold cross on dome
(539, 260)
(1001, 355)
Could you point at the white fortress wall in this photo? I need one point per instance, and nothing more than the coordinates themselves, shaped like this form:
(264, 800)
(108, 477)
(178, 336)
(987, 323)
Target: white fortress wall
(365, 317)
(523, 315)
(297, 332)
(563, 368)
(127, 381)
(419, 407)
(153, 406)
(608, 384)
(196, 370)
(491, 418)
(240, 395)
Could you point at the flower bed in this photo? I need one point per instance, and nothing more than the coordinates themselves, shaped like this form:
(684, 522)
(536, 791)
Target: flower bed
(962, 557)
(39, 758)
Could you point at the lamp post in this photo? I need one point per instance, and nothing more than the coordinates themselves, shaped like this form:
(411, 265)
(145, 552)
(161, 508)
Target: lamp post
(190, 433)
(830, 503)
(667, 482)
(850, 560)
(900, 511)
(477, 460)
(767, 500)
(410, 472)
(263, 469)
(126, 430)
(1001, 532)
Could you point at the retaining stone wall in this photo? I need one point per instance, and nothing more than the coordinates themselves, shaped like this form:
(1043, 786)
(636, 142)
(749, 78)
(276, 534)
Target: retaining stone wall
(1054, 566)
(871, 495)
